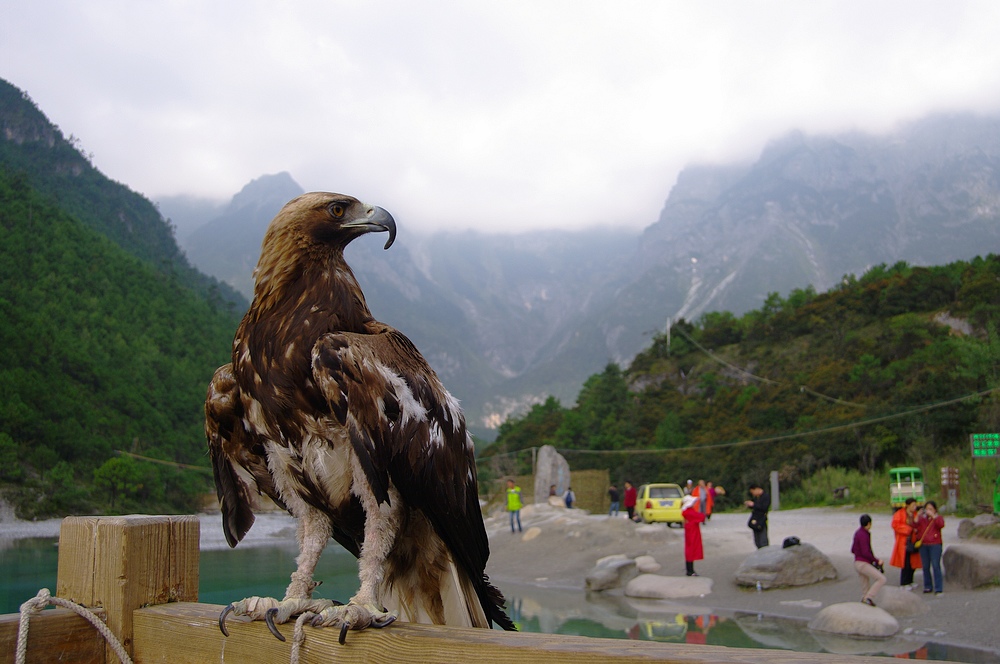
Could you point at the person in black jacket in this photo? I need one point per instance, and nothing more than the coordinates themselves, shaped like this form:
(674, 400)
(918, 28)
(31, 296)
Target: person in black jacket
(759, 505)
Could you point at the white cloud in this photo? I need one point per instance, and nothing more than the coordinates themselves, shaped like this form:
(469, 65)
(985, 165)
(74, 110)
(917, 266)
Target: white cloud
(493, 115)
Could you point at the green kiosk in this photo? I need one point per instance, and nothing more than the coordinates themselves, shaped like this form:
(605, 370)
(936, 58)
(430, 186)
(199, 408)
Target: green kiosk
(905, 482)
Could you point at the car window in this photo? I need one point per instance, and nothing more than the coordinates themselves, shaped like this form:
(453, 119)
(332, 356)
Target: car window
(664, 492)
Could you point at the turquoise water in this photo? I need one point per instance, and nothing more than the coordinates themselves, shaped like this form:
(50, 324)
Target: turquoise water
(227, 575)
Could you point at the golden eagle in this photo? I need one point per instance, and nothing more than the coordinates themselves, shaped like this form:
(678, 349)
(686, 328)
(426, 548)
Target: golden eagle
(340, 420)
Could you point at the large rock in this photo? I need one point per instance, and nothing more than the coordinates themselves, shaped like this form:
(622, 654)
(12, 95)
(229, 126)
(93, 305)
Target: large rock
(900, 602)
(972, 565)
(855, 619)
(654, 586)
(611, 572)
(647, 565)
(773, 567)
(550, 468)
(966, 526)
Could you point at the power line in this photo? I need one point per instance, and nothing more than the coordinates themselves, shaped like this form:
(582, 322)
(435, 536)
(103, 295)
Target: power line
(771, 439)
(184, 466)
(802, 388)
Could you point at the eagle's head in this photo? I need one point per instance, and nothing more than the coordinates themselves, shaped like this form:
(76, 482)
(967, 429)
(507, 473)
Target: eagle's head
(314, 229)
(327, 220)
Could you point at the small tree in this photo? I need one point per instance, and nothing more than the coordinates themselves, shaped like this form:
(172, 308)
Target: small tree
(120, 477)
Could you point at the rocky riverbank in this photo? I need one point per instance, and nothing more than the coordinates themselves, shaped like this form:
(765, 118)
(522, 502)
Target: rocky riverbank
(559, 547)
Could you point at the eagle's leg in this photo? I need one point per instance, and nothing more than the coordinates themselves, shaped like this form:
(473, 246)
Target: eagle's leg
(313, 532)
(382, 524)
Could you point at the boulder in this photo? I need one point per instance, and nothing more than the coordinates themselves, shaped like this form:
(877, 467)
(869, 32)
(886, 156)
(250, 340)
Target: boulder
(985, 520)
(966, 526)
(773, 567)
(900, 602)
(611, 572)
(972, 565)
(550, 468)
(654, 586)
(855, 619)
(647, 565)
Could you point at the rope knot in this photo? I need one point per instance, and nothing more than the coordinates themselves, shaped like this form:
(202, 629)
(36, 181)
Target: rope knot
(43, 599)
(37, 603)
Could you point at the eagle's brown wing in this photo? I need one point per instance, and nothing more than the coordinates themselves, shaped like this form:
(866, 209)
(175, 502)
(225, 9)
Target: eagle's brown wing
(409, 433)
(239, 464)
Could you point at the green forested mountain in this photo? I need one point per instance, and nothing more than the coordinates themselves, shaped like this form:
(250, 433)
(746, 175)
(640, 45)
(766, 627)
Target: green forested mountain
(33, 147)
(884, 369)
(107, 338)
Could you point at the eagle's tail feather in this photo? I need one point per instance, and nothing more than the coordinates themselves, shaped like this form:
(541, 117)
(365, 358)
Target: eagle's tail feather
(495, 603)
(452, 602)
(235, 500)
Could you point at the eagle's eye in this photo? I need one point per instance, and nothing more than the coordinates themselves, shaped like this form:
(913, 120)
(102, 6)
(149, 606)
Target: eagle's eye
(337, 210)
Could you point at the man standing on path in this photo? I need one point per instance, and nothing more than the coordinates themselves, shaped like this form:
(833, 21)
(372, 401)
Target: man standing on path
(615, 500)
(514, 504)
(759, 504)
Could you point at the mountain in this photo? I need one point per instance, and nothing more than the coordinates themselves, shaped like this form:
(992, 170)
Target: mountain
(227, 246)
(810, 210)
(894, 368)
(108, 338)
(510, 319)
(482, 308)
(34, 148)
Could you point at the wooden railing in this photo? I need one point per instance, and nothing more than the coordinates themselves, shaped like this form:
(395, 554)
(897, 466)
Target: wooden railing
(141, 574)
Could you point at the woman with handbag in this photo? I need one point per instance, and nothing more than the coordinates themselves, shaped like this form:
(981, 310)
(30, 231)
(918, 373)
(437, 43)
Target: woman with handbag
(904, 555)
(928, 533)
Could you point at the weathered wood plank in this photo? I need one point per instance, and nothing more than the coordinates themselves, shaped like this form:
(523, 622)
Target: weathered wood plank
(121, 563)
(57, 635)
(185, 540)
(186, 633)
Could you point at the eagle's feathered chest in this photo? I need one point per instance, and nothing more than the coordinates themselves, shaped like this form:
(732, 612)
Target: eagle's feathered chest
(272, 354)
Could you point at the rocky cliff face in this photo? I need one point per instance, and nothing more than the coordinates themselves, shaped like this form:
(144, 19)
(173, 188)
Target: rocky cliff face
(811, 210)
(507, 320)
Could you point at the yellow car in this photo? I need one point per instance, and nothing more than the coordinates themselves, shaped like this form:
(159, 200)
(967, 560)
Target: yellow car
(660, 503)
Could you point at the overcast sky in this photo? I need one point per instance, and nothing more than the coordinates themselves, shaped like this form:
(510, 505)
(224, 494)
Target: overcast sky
(504, 115)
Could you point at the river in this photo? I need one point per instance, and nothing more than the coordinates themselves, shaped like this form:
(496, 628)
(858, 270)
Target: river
(262, 568)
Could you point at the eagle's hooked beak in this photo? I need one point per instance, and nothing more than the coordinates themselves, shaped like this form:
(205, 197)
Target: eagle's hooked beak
(376, 220)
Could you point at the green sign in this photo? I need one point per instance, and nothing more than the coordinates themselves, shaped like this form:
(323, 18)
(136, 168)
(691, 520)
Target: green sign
(985, 445)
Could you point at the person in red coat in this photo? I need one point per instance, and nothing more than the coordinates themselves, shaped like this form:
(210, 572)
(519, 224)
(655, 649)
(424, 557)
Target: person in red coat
(902, 525)
(692, 533)
(630, 497)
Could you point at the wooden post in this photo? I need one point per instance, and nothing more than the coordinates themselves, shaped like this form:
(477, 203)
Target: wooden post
(125, 562)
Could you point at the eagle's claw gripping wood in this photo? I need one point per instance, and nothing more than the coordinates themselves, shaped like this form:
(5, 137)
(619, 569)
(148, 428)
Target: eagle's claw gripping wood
(272, 611)
(353, 616)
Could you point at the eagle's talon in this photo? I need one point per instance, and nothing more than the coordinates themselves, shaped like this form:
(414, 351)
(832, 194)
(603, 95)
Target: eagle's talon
(269, 621)
(379, 623)
(343, 633)
(222, 619)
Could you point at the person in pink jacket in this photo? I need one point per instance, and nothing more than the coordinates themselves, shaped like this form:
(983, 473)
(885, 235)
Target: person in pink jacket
(928, 532)
(692, 533)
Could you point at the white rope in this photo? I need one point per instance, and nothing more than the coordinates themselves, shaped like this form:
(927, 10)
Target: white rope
(299, 636)
(43, 599)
